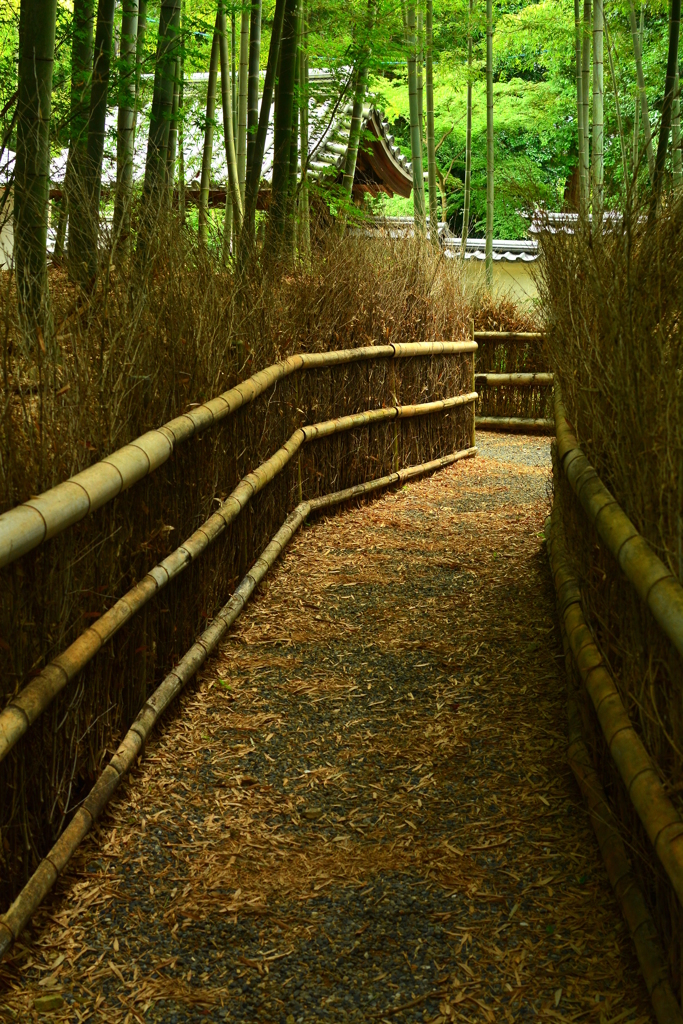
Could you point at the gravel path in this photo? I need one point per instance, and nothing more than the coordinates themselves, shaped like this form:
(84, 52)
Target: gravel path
(362, 812)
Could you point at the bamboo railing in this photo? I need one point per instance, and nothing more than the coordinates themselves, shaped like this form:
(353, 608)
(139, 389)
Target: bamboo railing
(657, 588)
(28, 525)
(44, 877)
(505, 415)
(39, 693)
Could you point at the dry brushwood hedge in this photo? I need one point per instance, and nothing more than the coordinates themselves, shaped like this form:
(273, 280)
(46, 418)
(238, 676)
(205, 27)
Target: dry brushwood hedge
(129, 357)
(612, 323)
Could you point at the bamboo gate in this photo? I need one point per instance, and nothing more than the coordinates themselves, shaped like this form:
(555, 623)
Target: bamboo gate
(43, 817)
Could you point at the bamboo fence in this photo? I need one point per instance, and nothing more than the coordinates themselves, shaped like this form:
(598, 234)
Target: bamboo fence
(513, 382)
(645, 793)
(71, 686)
(36, 520)
(53, 864)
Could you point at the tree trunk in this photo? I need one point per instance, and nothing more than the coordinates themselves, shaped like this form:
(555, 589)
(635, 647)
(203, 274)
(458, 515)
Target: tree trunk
(254, 178)
(415, 132)
(125, 132)
(676, 133)
(644, 109)
(468, 136)
(579, 105)
(229, 139)
(304, 220)
(489, 143)
(359, 92)
(669, 89)
(160, 116)
(290, 230)
(207, 152)
(253, 88)
(585, 96)
(32, 180)
(597, 161)
(242, 102)
(81, 70)
(283, 124)
(84, 233)
(431, 145)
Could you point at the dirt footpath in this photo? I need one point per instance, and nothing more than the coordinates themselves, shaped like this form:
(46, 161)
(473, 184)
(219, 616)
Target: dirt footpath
(362, 812)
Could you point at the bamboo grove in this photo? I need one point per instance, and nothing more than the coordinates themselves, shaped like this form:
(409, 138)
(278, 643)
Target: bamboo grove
(257, 74)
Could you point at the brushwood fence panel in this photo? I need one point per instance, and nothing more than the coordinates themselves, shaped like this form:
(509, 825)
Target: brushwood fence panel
(49, 596)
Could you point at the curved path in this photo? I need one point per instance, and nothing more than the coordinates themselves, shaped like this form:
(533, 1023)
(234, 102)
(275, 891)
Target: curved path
(363, 811)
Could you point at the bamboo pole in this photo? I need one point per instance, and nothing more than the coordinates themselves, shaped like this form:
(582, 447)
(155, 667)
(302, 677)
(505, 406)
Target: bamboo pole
(657, 813)
(253, 85)
(125, 131)
(44, 877)
(676, 134)
(579, 103)
(489, 144)
(620, 127)
(514, 379)
(642, 92)
(597, 155)
(617, 864)
(26, 526)
(235, 198)
(468, 137)
(207, 150)
(415, 126)
(653, 580)
(431, 146)
(667, 105)
(242, 98)
(516, 424)
(585, 97)
(38, 694)
(507, 336)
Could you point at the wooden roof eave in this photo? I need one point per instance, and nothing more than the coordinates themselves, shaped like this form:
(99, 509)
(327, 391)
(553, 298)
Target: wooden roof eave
(384, 164)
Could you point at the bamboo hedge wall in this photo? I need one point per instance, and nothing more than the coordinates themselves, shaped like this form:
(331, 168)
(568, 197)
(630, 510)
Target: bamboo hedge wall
(612, 324)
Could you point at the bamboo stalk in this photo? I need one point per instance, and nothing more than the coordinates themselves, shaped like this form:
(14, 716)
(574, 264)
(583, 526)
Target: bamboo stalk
(235, 198)
(506, 336)
(579, 102)
(41, 882)
(242, 97)
(585, 98)
(597, 155)
(620, 127)
(514, 379)
(468, 137)
(653, 580)
(27, 525)
(657, 813)
(516, 424)
(644, 108)
(633, 905)
(431, 145)
(207, 150)
(37, 695)
(489, 145)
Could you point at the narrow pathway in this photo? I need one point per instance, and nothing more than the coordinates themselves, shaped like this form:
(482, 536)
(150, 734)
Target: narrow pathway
(363, 811)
